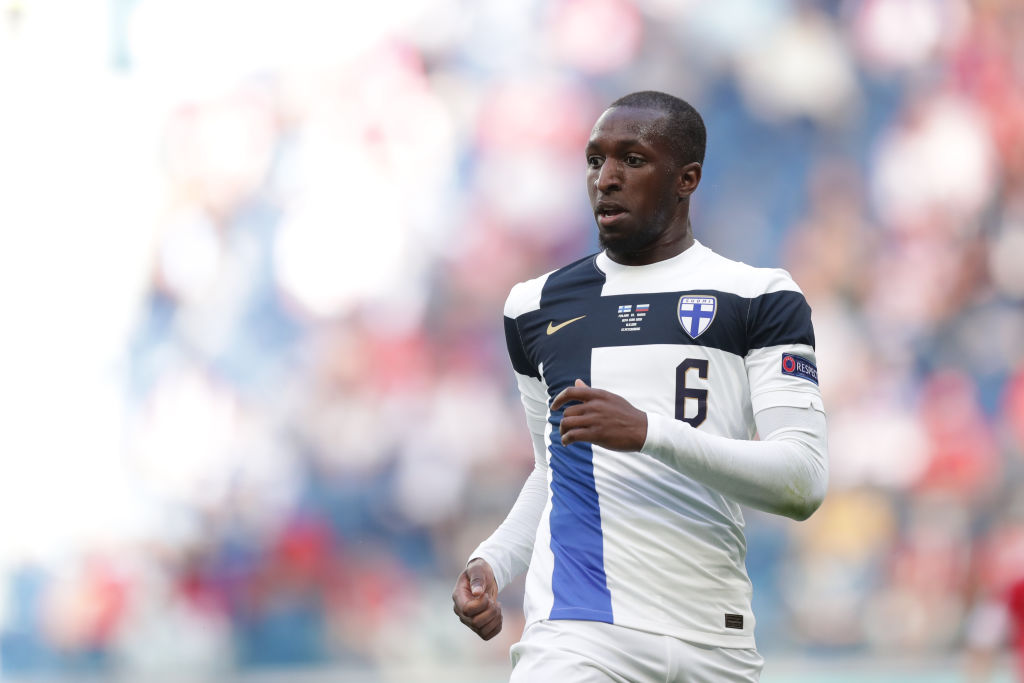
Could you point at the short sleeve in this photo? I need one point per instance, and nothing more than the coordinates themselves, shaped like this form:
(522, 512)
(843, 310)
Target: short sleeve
(532, 388)
(780, 362)
(523, 298)
(516, 351)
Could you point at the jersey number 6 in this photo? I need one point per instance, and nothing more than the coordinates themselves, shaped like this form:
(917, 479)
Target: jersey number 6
(698, 395)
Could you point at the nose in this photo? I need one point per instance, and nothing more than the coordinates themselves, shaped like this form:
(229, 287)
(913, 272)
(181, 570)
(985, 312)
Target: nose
(609, 177)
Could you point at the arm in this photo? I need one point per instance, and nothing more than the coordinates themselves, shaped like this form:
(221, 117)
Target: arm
(785, 473)
(506, 553)
(499, 559)
(509, 548)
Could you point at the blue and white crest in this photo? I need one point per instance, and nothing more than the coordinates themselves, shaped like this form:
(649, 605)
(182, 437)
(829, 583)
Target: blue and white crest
(696, 313)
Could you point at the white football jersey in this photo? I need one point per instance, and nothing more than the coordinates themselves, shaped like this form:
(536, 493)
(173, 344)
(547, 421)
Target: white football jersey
(624, 538)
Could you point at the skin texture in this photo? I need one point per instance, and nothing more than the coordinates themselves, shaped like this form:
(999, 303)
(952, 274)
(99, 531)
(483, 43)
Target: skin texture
(631, 170)
(600, 417)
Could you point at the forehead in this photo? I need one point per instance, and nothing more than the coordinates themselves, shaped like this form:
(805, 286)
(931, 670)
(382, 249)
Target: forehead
(629, 123)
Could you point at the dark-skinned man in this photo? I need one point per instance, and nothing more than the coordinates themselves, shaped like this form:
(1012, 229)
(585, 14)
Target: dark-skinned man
(645, 371)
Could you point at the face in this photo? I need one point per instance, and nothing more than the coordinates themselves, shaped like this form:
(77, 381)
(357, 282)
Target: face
(636, 188)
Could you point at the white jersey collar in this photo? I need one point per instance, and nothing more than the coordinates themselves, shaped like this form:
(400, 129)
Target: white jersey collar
(686, 259)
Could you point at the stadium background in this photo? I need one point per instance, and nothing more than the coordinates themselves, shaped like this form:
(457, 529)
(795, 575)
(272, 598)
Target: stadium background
(256, 407)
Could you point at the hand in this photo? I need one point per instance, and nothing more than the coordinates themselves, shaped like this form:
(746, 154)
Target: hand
(476, 599)
(600, 417)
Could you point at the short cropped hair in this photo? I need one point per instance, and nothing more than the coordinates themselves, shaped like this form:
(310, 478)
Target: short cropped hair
(684, 128)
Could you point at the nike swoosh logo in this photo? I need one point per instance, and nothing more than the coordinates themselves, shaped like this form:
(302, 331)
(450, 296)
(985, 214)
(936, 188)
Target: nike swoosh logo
(552, 328)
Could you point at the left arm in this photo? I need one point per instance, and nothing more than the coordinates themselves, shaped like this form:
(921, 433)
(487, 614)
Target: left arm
(786, 473)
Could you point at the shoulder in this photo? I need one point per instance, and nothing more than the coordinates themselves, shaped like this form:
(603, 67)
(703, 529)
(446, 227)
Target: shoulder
(749, 281)
(526, 296)
(775, 311)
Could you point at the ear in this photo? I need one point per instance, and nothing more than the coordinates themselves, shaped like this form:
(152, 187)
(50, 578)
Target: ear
(688, 179)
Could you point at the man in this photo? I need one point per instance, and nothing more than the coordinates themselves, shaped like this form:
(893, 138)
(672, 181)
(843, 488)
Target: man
(645, 371)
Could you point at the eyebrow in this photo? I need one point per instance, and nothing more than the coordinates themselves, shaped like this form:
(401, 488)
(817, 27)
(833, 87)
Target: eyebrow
(620, 144)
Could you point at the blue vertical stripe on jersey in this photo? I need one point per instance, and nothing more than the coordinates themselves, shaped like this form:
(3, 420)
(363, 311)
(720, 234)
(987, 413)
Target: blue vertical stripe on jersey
(578, 581)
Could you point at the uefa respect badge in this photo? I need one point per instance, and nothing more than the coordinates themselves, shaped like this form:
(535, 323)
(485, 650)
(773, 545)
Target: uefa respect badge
(798, 366)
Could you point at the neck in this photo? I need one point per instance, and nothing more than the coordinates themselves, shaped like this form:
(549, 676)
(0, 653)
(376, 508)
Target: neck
(670, 243)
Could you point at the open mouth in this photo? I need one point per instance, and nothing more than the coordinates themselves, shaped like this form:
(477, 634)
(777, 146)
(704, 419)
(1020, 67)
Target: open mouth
(608, 213)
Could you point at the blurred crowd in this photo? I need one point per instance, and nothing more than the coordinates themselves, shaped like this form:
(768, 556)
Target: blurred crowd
(319, 415)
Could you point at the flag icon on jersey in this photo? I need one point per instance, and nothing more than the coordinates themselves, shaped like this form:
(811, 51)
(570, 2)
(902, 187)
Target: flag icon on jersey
(696, 313)
(625, 309)
(642, 308)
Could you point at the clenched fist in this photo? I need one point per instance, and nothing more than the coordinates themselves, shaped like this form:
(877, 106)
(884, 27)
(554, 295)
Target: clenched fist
(476, 599)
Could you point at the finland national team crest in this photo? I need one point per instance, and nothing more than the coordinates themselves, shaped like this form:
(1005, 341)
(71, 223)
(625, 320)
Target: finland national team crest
(696, 313)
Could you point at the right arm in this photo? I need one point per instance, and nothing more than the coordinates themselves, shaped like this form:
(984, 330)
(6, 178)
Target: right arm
(506, 553)
(509, 548)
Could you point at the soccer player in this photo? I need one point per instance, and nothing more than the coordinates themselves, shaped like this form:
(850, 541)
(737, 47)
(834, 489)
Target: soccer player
(645, 371)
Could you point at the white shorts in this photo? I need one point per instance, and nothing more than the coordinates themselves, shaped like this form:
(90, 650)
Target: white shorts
(566, 651)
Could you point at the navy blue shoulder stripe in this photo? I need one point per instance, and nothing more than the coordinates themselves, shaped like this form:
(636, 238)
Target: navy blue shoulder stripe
(779, 318)
(578, 279)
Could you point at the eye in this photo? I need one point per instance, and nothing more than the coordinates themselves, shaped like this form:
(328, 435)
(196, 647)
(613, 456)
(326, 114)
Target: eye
(594, 161)
(634, 160)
